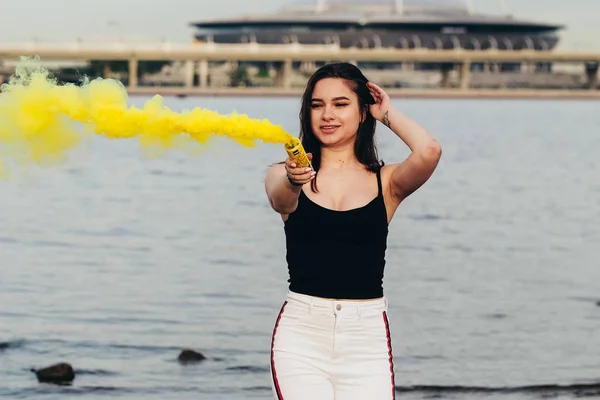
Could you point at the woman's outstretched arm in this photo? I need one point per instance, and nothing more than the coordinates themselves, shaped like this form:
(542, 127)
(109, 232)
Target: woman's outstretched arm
(283, 184)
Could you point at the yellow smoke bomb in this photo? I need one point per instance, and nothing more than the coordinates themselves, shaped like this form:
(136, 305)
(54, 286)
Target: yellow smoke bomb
(41, 121)
(297, 153)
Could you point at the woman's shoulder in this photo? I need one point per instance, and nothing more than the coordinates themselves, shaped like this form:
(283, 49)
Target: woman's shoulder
(276, 167)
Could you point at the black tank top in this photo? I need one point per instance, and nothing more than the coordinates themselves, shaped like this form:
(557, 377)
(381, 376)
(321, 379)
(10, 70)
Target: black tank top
(337, 254)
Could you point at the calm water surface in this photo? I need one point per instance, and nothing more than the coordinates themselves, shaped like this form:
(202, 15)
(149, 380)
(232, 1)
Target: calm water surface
(115, 261)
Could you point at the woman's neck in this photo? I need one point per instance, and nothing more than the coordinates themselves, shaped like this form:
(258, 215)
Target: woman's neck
(338, 157)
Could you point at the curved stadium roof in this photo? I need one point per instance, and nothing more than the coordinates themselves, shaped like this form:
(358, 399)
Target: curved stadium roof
(395, 6)
(374, 11)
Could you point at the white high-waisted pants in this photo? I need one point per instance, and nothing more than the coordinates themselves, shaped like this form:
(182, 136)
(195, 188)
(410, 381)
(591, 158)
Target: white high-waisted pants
(332, 350)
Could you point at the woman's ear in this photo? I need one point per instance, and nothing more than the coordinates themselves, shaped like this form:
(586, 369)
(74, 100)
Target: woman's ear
(363, 115)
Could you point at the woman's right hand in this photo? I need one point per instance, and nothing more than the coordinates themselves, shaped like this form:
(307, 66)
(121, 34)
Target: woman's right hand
(299, 175)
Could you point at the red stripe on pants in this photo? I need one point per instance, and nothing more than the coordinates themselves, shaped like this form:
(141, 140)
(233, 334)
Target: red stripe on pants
(390, 357)
(274, 373)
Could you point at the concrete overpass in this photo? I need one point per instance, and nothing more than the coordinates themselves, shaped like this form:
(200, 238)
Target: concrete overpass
(197, 56)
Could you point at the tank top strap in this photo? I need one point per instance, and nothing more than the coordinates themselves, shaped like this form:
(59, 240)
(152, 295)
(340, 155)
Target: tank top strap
(379, 186)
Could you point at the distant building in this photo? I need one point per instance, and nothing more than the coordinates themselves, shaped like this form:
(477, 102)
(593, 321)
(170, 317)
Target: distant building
(432, 24)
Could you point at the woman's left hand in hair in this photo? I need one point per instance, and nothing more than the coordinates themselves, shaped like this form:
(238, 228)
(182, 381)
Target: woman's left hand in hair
(382, 106)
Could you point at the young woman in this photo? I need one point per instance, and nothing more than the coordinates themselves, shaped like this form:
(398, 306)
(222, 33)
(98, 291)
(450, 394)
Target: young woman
(331, 339)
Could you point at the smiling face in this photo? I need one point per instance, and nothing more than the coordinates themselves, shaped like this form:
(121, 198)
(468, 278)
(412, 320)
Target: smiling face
(335, 112)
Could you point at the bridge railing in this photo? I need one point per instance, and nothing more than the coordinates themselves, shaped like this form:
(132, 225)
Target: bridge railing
(79, 50)
(161, 46)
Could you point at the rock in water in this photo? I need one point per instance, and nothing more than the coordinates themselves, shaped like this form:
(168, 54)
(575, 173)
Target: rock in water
(190, 356)
(61, 373)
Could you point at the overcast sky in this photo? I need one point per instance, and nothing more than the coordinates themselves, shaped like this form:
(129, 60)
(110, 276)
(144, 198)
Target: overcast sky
(62, 20)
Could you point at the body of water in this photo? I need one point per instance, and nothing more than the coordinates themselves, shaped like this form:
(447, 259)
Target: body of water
(115, 261)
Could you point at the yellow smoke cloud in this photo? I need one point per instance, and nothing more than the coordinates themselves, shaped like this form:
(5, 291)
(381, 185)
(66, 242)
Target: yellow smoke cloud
(38, 119)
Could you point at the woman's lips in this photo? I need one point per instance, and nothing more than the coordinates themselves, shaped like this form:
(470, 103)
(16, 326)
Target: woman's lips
(329, 128)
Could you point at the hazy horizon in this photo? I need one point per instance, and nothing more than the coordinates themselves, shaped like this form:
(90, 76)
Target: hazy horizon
(66, 20)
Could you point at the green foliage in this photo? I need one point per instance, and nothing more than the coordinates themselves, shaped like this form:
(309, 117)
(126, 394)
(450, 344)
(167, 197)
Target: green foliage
(239, 77)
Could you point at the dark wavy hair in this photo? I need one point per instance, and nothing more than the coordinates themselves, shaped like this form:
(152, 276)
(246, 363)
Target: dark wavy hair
(365, 148)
